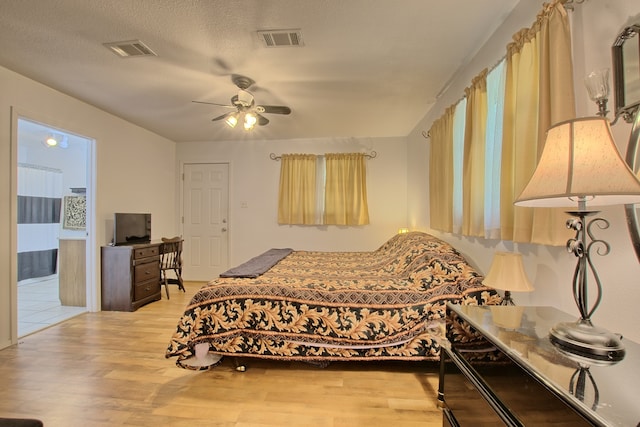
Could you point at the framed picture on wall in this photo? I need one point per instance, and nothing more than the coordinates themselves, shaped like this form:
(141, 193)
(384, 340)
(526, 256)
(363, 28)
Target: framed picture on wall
(75, 213)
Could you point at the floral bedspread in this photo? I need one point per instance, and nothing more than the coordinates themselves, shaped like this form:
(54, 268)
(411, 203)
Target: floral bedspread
(323, 306)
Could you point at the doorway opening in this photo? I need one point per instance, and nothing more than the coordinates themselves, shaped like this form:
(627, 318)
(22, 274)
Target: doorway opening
(53, 173)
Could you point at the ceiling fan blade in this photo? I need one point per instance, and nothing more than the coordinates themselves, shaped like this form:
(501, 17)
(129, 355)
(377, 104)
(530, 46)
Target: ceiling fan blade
(224, 116)
(262, 120)
(273, 109)
(215, 103)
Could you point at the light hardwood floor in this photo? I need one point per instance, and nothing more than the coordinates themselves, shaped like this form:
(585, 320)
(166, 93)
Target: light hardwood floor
(109, 369)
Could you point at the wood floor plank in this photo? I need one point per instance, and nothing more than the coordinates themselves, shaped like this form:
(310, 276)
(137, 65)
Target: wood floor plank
(108, 369)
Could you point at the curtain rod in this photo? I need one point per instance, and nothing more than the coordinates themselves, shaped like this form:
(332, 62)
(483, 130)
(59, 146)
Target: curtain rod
(371, 155)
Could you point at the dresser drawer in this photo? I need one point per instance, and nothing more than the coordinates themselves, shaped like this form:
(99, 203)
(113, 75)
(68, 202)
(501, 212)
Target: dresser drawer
(469, 402)
(146, 252)
(146, 271)
(145, 289)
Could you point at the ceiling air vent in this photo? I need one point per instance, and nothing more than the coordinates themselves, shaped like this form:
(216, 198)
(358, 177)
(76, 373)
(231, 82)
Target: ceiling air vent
(281, 38)
(131, 48)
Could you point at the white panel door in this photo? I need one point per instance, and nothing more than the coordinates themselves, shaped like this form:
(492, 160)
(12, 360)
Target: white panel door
(205, 221)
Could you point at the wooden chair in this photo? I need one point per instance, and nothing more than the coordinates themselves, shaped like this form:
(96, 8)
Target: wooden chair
(171, 263)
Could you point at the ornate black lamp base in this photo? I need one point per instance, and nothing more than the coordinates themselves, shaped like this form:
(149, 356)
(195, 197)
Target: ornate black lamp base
(586, 340)
(507, 300)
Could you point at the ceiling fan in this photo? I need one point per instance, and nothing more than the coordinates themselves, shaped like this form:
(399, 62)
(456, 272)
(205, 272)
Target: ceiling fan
(245, 106)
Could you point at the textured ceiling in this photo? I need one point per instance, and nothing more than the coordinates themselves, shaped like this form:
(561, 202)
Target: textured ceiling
(368, 68)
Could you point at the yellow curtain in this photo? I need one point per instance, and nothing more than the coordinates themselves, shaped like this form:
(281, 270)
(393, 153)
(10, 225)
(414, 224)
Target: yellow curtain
(297, 192)
(538, 94)
(474, 157)
(346, 189)
(441, 172)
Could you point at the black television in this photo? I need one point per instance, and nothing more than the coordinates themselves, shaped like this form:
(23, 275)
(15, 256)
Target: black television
(131, 228)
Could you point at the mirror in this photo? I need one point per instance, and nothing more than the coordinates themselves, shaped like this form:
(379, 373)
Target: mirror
(626, 71)
(633, 160)
(626, 81)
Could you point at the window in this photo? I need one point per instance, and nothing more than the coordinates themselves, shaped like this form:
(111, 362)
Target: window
(328, 189)
(458, 156)
(526, 93)
(493, 153)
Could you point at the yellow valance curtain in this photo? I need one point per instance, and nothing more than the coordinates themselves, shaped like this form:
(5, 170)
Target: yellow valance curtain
(441, 172)
(297, 192)
(346, 189)
(538, 94)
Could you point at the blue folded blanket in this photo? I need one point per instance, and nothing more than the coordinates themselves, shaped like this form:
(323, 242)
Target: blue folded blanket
(258, 265)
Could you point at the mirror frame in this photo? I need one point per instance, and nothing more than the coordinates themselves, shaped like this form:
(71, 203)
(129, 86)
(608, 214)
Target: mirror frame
(628, 109)
(631, 211)
(624, 107)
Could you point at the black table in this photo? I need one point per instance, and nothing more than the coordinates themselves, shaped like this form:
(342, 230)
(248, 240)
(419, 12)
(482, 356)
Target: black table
(517, 377)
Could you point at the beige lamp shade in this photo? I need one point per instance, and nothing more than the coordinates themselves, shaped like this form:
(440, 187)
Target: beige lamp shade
(507, 273)
(580, 159)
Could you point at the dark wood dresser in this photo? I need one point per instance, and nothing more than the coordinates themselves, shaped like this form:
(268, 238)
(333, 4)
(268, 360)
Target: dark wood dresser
(130, 276)
(518, 378)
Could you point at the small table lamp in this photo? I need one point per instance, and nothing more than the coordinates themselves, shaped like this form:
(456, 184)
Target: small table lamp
(580, 164)
(507, 273)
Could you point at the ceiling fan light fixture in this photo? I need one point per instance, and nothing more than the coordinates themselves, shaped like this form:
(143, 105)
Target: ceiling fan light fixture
(250, 121)
(245, 107)
(245, 98)
(232, 120)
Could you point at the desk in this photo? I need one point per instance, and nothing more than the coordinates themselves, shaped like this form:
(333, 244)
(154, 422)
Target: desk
(527, 381)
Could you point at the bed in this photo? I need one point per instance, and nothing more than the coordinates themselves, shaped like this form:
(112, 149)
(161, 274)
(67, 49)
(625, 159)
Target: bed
(387, 304)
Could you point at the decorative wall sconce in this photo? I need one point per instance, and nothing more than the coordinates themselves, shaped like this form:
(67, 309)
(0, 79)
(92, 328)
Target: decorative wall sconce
(597, 83)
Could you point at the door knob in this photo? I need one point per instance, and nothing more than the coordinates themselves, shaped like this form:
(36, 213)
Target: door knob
(224, 228)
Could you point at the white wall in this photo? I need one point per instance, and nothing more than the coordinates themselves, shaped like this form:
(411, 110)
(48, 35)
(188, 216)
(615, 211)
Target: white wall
(135, 171)
(254, 180)
(595, 25)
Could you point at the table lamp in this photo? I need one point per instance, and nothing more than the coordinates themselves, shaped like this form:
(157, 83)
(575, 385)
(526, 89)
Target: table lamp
(581, 165)
(507, 273)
